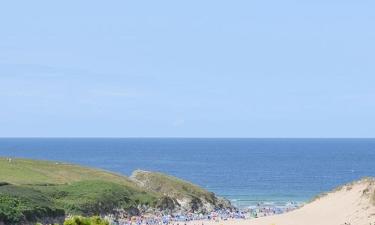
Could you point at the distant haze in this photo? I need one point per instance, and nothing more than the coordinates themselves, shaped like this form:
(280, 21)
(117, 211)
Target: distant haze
(187, 68)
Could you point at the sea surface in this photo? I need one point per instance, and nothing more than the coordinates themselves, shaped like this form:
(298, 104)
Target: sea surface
(246, 171)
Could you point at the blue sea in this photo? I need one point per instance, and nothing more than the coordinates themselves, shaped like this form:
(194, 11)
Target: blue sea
(246, 171)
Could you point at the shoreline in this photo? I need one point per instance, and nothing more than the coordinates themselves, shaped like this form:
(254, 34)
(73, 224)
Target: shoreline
(158, 218)
(249, 204)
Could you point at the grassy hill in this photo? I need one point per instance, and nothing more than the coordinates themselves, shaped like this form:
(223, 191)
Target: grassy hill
(33, 190)
(25, 171)
(169, 185)
(187, 195)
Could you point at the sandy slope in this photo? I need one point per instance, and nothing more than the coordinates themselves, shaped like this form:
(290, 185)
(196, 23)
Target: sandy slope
(352, 204)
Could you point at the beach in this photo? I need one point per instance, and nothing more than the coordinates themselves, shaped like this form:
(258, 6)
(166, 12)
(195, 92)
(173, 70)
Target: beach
(351, 204)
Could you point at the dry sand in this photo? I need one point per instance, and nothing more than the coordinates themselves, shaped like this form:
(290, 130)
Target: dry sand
(351, 204)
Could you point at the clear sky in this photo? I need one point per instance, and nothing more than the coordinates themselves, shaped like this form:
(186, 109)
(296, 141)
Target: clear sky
(194, 68)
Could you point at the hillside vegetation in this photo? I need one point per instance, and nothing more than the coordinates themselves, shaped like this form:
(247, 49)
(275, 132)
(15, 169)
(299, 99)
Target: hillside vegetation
(21, 204)
(186, 194)
(37, 172)
(32, 190)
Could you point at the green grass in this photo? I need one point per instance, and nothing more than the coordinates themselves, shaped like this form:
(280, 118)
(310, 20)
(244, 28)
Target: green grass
(24, 171)
(171, 186)
(31, 189)
(95, 197)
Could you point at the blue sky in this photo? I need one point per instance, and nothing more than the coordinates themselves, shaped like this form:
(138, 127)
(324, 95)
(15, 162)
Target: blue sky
(187, 68)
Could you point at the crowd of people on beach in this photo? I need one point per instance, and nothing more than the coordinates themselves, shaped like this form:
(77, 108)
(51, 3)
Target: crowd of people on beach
(260, 210)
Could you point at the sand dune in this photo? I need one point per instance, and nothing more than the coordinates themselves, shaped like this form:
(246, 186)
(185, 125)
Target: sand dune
(351, 204)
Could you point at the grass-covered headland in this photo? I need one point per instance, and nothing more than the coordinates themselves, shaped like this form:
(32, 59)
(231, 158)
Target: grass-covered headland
(43, 191)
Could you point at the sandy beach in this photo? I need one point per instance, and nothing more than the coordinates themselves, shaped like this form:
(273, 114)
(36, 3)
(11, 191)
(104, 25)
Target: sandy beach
(350, 204)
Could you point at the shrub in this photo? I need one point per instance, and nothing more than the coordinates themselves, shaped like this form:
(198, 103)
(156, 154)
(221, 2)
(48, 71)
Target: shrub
(79, 220)
(21, 204)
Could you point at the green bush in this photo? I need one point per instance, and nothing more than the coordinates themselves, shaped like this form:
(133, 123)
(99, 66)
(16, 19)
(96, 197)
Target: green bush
(20, 204)
(79, 220)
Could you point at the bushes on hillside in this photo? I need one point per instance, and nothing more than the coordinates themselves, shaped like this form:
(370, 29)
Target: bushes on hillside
(19, 205)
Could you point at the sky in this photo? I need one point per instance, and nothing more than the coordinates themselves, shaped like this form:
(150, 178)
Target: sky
(193, 68)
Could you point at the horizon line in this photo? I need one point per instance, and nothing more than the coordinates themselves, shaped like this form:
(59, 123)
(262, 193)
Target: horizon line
(174, 137)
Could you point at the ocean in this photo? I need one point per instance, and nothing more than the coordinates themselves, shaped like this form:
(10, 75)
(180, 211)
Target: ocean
(246, 171)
